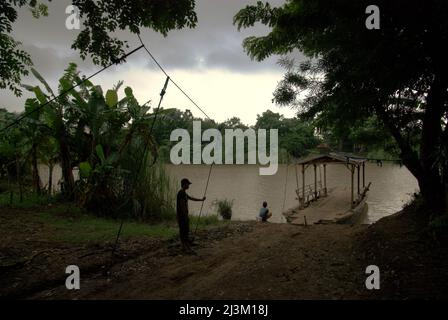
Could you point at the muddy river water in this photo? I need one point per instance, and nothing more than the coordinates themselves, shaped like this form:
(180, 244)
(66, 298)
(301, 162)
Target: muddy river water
(392, 187)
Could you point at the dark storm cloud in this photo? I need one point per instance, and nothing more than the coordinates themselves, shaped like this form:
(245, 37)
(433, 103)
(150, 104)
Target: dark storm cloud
(214, 44)
(50, 62)
(215, 41)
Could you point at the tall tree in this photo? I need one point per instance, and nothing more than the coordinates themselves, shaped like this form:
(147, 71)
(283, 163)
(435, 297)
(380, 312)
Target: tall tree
(398, 72)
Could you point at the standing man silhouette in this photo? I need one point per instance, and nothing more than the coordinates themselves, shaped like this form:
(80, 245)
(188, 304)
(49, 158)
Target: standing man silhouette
(182, 214)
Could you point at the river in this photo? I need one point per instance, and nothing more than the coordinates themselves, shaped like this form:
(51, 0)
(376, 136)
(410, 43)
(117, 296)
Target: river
(392, 187)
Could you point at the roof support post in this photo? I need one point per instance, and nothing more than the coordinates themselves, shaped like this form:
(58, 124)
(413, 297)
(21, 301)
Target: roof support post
(352, 169)
(359, 168)
(303, 186)
(297, 177)
(315, 182)
(325, 179)
(363, 175)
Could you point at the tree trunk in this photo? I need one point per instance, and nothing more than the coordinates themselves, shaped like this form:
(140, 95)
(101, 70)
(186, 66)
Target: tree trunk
(64, 156)
(50, 178)
(445, 165)
(444, 192)
(423, 169)
(66, 166)
(19, 177)
(407, 154)
(431, 184)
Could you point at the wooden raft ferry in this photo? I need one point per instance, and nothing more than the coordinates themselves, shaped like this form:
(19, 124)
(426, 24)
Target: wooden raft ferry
(319, 204)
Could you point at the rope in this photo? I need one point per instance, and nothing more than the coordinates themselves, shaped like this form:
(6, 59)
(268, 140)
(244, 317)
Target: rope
(194, 103)
(171, 79)
(202, 204)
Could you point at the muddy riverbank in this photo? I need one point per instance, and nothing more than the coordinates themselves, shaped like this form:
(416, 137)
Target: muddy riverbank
(241, 260)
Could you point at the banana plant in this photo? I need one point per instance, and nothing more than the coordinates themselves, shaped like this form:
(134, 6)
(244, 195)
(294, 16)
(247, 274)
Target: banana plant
(33, 129)
(53, 115)
(107, 137)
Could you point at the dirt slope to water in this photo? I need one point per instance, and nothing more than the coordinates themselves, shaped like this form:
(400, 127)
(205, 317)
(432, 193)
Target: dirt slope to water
(254, 261)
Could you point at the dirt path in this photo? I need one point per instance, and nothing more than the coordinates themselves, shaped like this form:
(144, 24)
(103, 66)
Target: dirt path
(272, 261)
(243, 260)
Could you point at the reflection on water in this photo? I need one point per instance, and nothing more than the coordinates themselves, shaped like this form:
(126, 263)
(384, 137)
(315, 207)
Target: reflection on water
(391, 188)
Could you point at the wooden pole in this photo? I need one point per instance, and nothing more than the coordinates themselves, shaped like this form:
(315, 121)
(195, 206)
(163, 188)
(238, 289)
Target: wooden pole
(363, 175)
(320, 176)
(315, 181)
(325, 180)
(303, 186)
(352, 184)
(358, 167)
(297, 177)
(297, 185)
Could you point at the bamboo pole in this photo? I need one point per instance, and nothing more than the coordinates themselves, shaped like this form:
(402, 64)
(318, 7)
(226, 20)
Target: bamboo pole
(303, 186)
(320, 175)
(297, 177)
(358, 167)
(297, 185)
(363, 175)
(286, 185)
(325, 180)
(352, 184)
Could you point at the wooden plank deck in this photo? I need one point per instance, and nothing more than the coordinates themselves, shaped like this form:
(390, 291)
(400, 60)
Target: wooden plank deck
(325, 210)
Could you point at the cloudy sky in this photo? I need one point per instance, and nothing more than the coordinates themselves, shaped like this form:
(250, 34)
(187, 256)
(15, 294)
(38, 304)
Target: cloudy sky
(208, 62)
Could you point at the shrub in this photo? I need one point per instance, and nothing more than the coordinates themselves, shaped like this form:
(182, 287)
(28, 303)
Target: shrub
(127, 186)
(224, 208)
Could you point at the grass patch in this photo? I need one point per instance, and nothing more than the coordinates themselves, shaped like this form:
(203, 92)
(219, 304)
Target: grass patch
(205, 221)
(66, 222)
(29, 200)
(72, 224)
